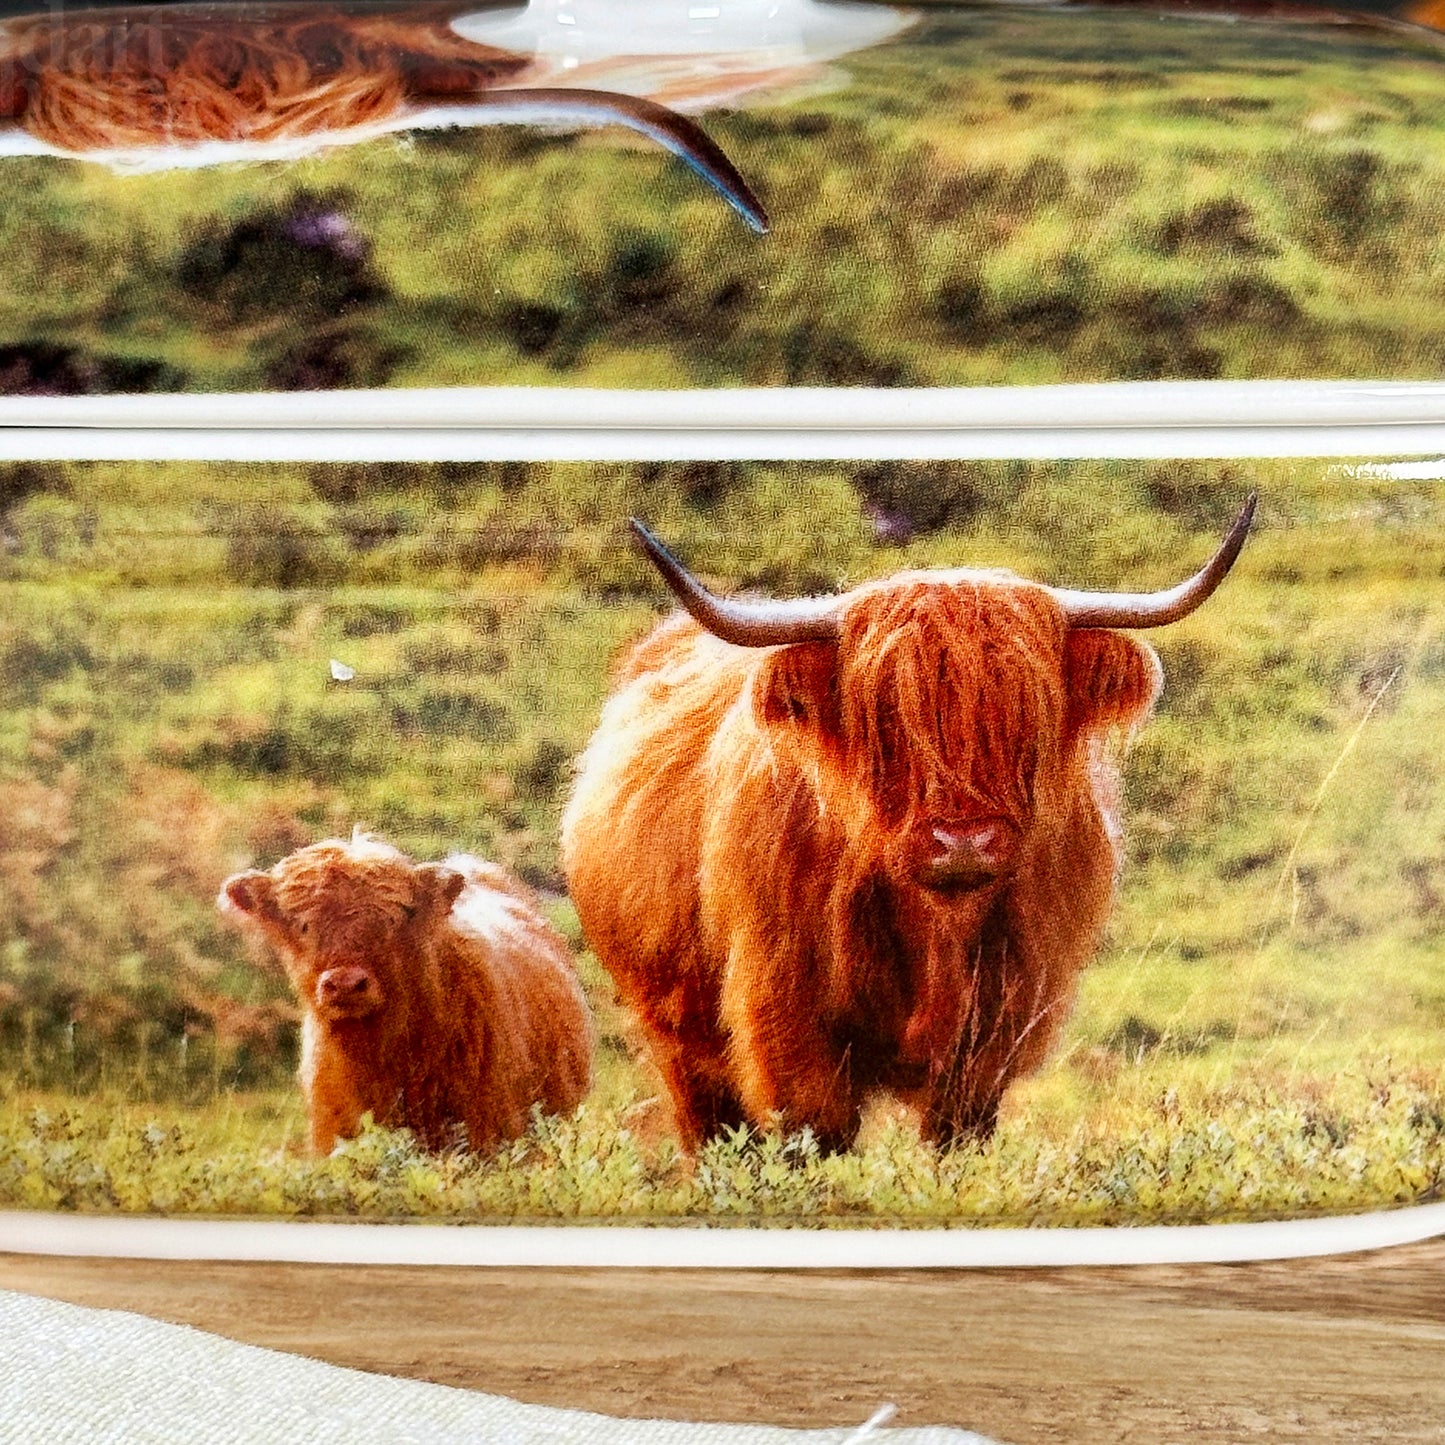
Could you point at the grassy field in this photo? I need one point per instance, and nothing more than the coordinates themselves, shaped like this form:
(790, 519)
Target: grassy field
(997, 197)
(1260, 1035)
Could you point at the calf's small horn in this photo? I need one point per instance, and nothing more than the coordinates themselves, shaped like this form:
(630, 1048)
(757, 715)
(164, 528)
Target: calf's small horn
(747, 624)
(1155, 609)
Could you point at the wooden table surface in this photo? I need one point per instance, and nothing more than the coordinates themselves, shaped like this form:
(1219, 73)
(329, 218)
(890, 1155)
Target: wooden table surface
(1343, 1349)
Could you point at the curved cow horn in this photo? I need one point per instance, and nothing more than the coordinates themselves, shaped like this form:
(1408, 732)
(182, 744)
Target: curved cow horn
(1154, 609)
(557, 105)
(815, 619)
(747, 624)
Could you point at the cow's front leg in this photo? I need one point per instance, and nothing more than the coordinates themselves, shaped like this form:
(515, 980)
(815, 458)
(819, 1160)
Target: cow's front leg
(962, 1105)
(682, 1039)
(704, 1102)
(951, 1121)
(332, 1109)
(325, 1128)
(790, 1073)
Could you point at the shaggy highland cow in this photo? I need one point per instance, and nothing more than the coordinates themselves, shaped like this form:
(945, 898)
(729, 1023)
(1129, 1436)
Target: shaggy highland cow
(435, 996)
(833, 846)
(152, 83)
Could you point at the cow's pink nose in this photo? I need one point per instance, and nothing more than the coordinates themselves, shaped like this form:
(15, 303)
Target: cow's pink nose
(348, 982)
(963, 854)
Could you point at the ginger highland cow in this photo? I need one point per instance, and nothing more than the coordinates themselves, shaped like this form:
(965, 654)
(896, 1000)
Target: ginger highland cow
(135, 80)
(435, 996)
(833, 846)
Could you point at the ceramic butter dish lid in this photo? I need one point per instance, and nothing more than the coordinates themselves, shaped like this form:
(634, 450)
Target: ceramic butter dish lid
(609, 193)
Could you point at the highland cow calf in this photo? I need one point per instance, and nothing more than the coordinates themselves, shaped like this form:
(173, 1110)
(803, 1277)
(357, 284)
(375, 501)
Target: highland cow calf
(435, 995)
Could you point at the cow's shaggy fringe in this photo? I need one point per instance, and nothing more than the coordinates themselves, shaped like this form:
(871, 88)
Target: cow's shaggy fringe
(991, 705)
(125, 79)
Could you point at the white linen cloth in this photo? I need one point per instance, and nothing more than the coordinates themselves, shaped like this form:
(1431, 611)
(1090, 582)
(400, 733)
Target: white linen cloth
(75, 1376)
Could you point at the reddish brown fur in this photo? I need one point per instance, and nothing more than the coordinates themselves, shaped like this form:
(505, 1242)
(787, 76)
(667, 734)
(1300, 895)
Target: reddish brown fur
(94, 80)
(435, 996)
(743, 847)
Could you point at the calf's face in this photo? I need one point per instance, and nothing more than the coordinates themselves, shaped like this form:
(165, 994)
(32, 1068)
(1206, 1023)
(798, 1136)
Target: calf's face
(350, 922)
(348, 991)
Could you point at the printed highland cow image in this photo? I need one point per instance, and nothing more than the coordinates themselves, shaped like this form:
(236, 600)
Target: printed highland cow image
(976, 843)
(301, 194)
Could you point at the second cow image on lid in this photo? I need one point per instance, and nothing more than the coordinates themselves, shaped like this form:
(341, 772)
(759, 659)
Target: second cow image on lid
(648, 194)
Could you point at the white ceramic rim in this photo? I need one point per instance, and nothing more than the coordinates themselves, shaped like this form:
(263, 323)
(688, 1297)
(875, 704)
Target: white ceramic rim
(1116, 419)
(682, 1246)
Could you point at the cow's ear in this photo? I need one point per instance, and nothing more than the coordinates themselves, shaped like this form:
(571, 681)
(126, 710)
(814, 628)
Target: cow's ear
(253, 894)
(1112, 679)
(440, 886)
(797, 686)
